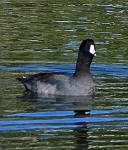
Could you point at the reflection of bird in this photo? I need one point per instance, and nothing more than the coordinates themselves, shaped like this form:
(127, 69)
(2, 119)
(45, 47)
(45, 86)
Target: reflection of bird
(81, 135)
(80, 83)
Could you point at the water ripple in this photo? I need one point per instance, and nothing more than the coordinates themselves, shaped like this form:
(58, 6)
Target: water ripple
(66, 113)
(112, 70)
(59, 123)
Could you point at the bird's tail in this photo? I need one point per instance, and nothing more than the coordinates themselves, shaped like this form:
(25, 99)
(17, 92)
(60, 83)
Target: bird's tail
(21, 79)
(24, 82)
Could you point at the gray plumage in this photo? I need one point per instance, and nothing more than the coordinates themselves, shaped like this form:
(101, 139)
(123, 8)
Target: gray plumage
(80, 83)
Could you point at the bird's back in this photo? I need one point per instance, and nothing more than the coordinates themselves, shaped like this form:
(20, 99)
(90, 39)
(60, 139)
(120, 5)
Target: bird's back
(58, 84)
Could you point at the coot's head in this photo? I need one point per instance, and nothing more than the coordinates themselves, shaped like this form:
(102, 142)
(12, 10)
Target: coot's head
(88, 47)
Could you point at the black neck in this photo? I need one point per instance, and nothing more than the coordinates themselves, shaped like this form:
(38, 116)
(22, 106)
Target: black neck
(83, 64)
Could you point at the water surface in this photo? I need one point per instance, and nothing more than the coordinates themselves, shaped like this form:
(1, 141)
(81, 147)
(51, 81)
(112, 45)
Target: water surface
(45, 36)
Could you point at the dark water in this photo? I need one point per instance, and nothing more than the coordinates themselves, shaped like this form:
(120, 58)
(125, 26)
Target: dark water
(44, 36)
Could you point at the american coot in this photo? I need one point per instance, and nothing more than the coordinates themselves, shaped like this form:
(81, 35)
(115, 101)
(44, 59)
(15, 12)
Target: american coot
(78, 84)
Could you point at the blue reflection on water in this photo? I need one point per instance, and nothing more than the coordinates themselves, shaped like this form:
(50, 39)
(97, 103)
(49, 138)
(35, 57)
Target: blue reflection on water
(63, 121)
(55, 123)
(32, 127)
(113, 70)
(43, 114)
(66, 113)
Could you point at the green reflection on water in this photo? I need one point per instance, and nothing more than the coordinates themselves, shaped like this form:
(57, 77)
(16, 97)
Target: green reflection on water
(32, 31)
(50, 31)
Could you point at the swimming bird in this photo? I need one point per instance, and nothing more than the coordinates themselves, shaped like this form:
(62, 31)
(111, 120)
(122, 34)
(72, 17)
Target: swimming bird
(57, 83)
